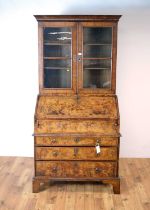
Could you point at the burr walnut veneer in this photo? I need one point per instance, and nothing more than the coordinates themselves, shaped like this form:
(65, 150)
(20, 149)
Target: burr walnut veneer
(76, 122)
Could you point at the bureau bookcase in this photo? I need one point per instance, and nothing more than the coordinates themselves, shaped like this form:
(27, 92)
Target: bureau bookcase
(76, 122)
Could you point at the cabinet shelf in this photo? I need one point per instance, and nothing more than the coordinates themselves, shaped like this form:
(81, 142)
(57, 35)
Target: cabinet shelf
(56, 43)
(108, 58)
(103, 44)
(59, 58)
(96, 68)
(47, 67)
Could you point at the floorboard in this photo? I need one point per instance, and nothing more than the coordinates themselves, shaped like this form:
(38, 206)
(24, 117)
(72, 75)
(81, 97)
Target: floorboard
(16, 189)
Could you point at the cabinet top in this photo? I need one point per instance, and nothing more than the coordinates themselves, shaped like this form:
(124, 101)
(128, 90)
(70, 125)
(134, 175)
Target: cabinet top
(113, 18)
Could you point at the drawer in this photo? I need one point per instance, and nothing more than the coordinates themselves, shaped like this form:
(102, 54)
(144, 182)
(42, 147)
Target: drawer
(72, 141)
(75, 153)
(76, 169)
(100, 127)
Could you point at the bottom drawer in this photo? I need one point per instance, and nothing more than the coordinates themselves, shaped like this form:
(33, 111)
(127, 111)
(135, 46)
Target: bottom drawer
(76, 169)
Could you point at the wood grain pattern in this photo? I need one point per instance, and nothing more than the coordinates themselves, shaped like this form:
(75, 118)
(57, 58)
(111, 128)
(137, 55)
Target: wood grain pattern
(75, 141)
(75, 153)
(100, 127)
(16, 189)
(71, 107)
(74, 169)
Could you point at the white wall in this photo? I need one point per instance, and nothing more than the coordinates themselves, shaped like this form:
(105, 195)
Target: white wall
(19, 70)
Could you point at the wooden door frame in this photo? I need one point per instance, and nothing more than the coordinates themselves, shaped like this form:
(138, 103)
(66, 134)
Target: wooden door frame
(80, 88)
(72, 90)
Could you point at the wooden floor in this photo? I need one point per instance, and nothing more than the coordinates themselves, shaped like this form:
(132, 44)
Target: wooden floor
(16, 189)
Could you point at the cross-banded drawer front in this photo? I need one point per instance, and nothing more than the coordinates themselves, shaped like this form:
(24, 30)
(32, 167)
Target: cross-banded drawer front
(75, 141)
(73, 169)
(100, 127)
(75, 153)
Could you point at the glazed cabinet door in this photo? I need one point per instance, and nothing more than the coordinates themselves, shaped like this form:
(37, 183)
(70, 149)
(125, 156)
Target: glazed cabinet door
(97, 57)
(57, 57)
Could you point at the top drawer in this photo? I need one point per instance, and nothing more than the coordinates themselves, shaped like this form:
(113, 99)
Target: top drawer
(97, 127)
(75, 141)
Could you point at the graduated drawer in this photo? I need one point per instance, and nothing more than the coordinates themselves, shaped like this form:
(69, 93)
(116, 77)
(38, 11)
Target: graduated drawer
(75, 141)
(75, 153)
(75, 169)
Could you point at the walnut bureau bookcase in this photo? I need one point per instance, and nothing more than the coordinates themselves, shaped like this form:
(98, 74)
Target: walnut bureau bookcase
(76, 122)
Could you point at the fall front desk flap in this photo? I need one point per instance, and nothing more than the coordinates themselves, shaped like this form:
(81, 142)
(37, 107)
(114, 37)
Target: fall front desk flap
(72, 107)
(77, 115)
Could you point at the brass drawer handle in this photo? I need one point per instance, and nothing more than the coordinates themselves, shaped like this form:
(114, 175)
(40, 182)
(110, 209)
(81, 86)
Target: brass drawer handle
(53, 141)
(98, 170)
(55, 153)
(54, 170)
(77, 140)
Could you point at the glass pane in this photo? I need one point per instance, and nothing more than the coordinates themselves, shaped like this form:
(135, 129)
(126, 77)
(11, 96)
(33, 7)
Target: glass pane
(60, 35)
(57, 51)
(57, 78)
(97, 77)
(97, 63)
(97, 35)
(57, 63)
(97, 53)
(57, 57)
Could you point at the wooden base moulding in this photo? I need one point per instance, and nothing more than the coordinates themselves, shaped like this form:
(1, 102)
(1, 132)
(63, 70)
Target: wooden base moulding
(115, 182)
